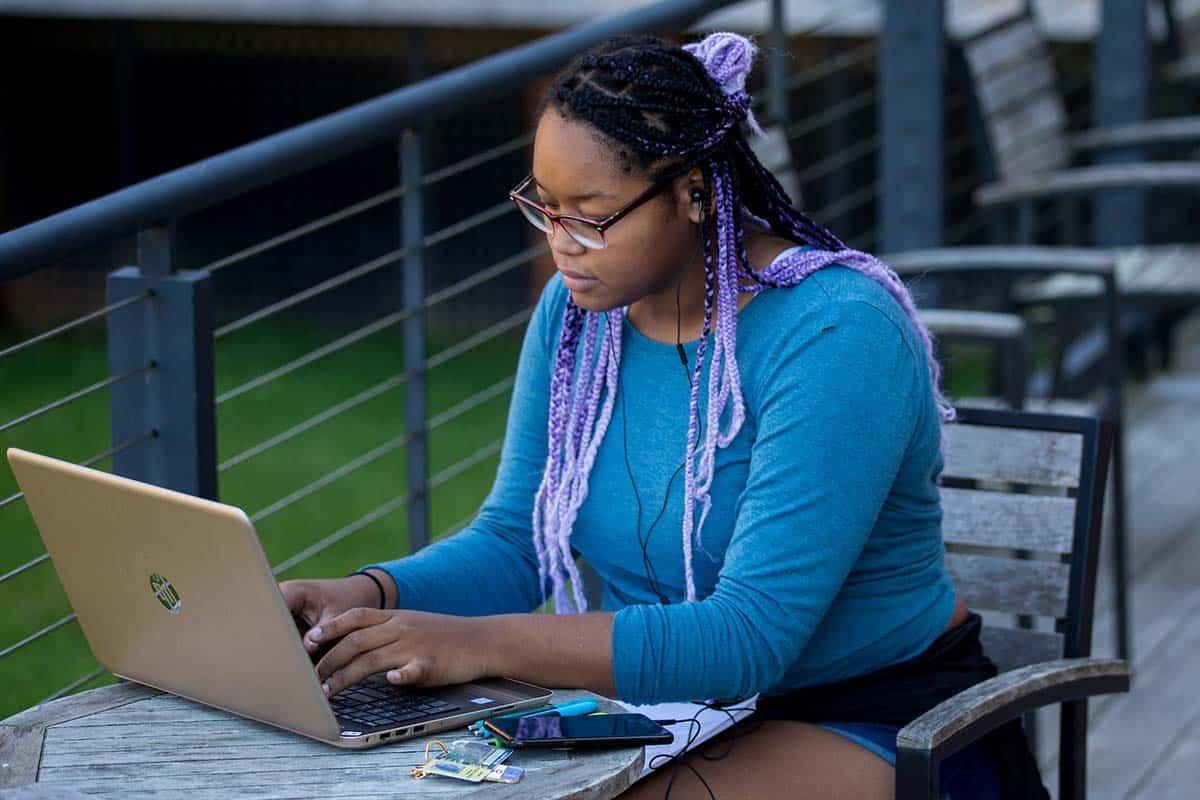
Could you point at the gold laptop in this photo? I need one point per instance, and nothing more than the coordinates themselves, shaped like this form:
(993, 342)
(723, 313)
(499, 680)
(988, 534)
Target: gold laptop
(174, 592)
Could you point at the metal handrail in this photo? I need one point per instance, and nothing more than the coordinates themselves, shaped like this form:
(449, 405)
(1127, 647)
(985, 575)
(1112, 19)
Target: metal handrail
(75, 323)
(84, 392)
(382, 119)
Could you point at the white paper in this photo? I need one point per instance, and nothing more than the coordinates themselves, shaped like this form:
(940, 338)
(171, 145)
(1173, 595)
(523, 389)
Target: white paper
(712, 722)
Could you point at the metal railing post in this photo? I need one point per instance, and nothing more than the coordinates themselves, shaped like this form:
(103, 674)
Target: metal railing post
(173, 331)
(777, 67)
(416, 401)
(1121, 86)
(912, 67)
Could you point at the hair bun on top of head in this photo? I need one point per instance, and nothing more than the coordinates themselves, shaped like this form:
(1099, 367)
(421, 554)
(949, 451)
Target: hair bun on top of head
(728, 58)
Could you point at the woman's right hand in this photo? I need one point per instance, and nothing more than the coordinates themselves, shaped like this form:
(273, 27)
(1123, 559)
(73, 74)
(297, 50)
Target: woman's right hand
(320, 600)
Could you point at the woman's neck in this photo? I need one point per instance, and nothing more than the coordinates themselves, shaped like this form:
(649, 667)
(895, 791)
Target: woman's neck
(654, 316)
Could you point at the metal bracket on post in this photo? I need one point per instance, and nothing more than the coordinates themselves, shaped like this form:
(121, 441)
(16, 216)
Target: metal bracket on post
(912, 82)
(173, 330)
(1121, 94)
(416, 400)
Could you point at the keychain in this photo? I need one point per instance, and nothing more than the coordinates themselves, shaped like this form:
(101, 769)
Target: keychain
(468, 760)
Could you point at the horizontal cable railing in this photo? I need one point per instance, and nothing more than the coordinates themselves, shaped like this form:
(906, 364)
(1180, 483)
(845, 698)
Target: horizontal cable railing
(340, 279)
(850, 202)
(305, 229)
(338, 344)
(490, 213)
(856, 102)
(73, 685)
(379, 452)
(450, 170)
(33, 637)
(99, 313)
(831, 164)
(78, 395)
(455, 469)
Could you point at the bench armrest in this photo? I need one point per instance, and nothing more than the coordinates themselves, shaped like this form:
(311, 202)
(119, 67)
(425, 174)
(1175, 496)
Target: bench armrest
(953, 724)
(971, 324)
(1158, 131)
(1043, 260)
(1089, 180)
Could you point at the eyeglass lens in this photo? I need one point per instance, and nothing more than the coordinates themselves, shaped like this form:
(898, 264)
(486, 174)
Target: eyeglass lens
(587, 235)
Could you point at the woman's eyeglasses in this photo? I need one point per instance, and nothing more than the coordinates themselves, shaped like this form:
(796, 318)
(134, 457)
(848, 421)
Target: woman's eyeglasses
(588, 232)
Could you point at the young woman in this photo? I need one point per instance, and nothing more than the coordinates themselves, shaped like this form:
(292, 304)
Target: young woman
(736, 420)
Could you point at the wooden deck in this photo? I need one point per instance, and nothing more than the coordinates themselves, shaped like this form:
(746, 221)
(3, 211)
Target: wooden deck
(1147, 744)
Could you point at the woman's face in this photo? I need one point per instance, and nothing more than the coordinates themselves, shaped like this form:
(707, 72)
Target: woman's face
(647, 249)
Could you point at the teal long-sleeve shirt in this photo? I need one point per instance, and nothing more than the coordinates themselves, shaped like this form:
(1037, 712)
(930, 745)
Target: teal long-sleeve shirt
(822, 555)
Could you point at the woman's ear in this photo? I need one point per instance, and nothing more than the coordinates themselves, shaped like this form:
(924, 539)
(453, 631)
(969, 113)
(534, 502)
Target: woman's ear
(699, 197)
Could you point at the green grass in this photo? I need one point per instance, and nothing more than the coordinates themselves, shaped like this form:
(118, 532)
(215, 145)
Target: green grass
(47, 371)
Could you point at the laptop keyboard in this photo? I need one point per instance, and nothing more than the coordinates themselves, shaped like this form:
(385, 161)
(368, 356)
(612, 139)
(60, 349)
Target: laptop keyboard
(377, 705)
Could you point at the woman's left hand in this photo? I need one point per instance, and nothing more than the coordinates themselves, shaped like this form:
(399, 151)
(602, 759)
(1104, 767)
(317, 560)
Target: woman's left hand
(414, 647)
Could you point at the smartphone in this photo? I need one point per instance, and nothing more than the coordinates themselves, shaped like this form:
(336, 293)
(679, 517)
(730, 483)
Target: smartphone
(589, 730)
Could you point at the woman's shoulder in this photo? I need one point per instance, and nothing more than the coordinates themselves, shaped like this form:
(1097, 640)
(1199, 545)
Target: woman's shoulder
(833, 296)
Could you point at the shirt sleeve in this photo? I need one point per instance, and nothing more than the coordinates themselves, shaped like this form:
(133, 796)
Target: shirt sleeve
(490, 567)
(837, 408)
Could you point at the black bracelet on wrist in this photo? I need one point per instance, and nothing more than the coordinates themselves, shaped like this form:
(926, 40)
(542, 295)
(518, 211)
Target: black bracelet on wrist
(378, 585)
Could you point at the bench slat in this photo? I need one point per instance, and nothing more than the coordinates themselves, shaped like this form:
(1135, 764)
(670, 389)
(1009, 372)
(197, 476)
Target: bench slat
(996, 519)
(1009, 585)
(1040, 458)
(1011, 648)
(1002, 48)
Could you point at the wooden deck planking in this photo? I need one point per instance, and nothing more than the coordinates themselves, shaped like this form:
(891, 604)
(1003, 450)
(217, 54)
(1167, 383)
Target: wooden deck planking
(1145, 744)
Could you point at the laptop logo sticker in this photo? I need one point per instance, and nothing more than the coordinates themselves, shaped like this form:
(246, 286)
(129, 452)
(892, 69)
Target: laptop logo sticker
(166, 593)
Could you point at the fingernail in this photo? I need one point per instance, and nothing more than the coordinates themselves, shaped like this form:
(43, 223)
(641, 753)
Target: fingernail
(325, 688)
(315, 633)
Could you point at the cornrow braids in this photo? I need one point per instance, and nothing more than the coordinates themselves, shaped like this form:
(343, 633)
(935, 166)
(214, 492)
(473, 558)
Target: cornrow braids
(656, 106)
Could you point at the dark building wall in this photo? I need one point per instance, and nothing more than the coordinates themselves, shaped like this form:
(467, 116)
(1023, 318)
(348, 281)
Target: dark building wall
(91, 106)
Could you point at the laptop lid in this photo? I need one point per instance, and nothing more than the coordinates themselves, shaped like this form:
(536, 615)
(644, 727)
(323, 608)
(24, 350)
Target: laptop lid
(174, 591)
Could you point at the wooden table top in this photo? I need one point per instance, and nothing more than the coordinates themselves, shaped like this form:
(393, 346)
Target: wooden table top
(128, 741)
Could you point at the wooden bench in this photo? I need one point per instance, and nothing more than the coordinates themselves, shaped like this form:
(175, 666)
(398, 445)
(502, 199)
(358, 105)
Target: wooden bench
(1027, 152)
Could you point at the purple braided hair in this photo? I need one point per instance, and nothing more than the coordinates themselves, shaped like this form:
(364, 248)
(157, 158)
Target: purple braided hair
(701, 87)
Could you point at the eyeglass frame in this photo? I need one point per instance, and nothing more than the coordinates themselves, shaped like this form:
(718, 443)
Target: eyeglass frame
(602, 225)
